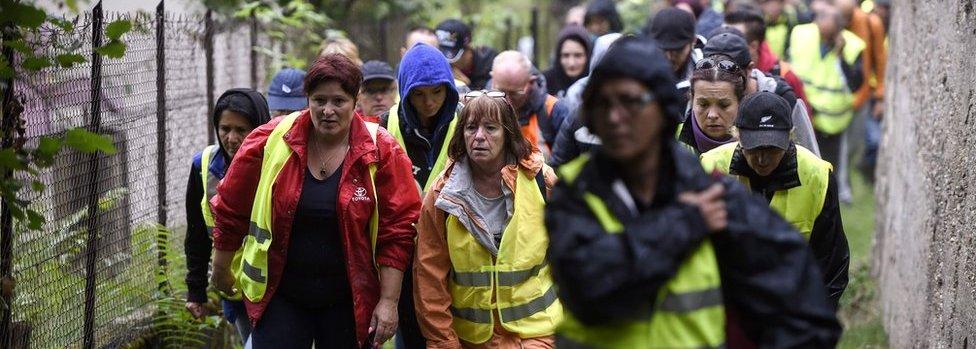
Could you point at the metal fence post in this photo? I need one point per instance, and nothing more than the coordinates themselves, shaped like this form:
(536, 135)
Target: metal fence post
(6, 220)
(208, 54)
(534, 27)
(91, 249)
(161, 135)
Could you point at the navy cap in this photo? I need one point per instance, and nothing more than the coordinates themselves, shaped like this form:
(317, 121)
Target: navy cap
(729, 42)
(377, 70)
(452, 36)
(286, 92)
(765, 120)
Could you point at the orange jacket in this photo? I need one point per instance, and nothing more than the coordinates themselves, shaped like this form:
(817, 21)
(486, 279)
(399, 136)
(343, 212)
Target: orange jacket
(869, 28)
(432, 262)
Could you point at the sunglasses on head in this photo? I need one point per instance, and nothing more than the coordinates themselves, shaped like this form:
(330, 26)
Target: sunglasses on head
(479, 93)
(723, 64)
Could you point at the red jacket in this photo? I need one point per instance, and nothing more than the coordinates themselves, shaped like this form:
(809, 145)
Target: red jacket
(399, 208)
(768, 60)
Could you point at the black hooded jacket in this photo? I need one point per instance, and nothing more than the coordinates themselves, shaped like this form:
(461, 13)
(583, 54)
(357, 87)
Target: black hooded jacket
(557, 82)
(827, 240)
(758, 254)
(197, 246)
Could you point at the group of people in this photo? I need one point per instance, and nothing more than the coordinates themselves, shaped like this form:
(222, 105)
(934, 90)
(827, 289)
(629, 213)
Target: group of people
(673, 188)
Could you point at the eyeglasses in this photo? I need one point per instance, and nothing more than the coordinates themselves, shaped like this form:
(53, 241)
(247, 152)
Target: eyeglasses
(632, 104)
(723, 64)
(479, 93)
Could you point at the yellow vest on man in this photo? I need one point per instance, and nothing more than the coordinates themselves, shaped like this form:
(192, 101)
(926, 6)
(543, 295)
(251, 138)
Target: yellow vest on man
(253, 279)
(826, 86)
(393, 126)
(689, 311)
(515, 286)
(209, 191)
(799, 205)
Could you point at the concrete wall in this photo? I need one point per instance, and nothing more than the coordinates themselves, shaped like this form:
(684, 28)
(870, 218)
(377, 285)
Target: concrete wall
(926, 243)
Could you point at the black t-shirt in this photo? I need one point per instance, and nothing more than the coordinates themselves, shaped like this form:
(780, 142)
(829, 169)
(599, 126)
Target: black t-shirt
(315, 268)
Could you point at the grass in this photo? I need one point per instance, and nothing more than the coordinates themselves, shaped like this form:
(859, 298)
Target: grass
(860, 313)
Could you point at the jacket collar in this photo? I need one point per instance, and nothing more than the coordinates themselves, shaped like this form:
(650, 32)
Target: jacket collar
(784, 177)
(361, 144)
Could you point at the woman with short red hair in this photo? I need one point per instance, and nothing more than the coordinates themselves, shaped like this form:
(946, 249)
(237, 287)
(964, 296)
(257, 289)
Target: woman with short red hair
(324, 205)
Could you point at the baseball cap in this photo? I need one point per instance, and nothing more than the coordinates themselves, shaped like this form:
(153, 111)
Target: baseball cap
(764, 121)
(452, 36)
(672, 28)
(377, 70)
(286, 92)
(728, 42)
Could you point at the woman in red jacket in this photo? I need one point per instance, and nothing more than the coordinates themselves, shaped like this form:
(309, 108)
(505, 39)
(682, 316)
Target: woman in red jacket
(299, 197)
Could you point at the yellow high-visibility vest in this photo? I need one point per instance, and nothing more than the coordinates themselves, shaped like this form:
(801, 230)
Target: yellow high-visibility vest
(822, 76)
(689, 311)
(393, 126)
(209, 191)
(515, 286)
(253, 278)
(799, 205)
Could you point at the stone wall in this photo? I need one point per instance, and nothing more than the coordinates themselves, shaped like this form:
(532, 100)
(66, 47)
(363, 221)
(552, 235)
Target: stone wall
(925, 253)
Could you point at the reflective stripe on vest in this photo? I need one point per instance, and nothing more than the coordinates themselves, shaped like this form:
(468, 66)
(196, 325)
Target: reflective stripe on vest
(393, 126)
(689, 311)
(210, 183)
(823, 79)
(516, 285)
(799, 205)
(254, 266)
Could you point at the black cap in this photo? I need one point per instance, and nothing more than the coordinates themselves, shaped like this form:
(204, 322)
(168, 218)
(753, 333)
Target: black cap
(452, 36)
(377, 70)
(672, 28)
(729, 44)
(765, 120)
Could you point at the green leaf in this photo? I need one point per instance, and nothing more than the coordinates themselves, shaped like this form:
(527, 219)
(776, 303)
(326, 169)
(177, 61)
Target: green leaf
(6, 72)
(247, 9)
(113, 49)
(67, 60)
(87, 142)
(36, 63)
(65, 25)
(47, 148)
(37, 186)
(10, 161)
(117, 28)
(72, 5)
(26, 16)
(34, 220)
(18, 45)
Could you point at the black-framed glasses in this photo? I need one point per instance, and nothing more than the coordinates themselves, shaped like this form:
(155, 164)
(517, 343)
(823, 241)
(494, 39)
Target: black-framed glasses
(479, 93)
(723, 64)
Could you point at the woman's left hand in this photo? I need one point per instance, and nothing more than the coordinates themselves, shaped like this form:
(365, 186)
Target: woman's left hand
(384, 322)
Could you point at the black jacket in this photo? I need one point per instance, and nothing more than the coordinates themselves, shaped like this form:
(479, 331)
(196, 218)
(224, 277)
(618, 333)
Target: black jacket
(481, 67)
(198, 242)
(827, 240)
(769, 277)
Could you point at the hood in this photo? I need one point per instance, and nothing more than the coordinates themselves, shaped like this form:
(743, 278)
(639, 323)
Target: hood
(606, 9)
(556, 76)
(600, 47)
(244, 101)
(424, 65)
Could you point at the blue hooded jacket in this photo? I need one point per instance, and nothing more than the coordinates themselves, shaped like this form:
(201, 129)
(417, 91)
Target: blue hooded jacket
(423, 65)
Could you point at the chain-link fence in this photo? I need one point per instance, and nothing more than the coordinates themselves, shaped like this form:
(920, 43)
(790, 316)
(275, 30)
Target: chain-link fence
(82, 287)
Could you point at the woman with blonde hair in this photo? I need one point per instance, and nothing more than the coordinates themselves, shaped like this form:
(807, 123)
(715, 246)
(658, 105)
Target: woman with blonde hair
(342, 46)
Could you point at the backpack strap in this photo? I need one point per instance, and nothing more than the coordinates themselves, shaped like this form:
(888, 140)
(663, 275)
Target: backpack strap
(374, 219)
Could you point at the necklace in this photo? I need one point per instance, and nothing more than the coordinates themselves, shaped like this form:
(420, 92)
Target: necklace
(327, 165)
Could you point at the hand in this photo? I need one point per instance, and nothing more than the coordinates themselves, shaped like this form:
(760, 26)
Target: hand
(384, 321)
(711, 206)
(196, 309)
(878, 110)
(223, 281)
